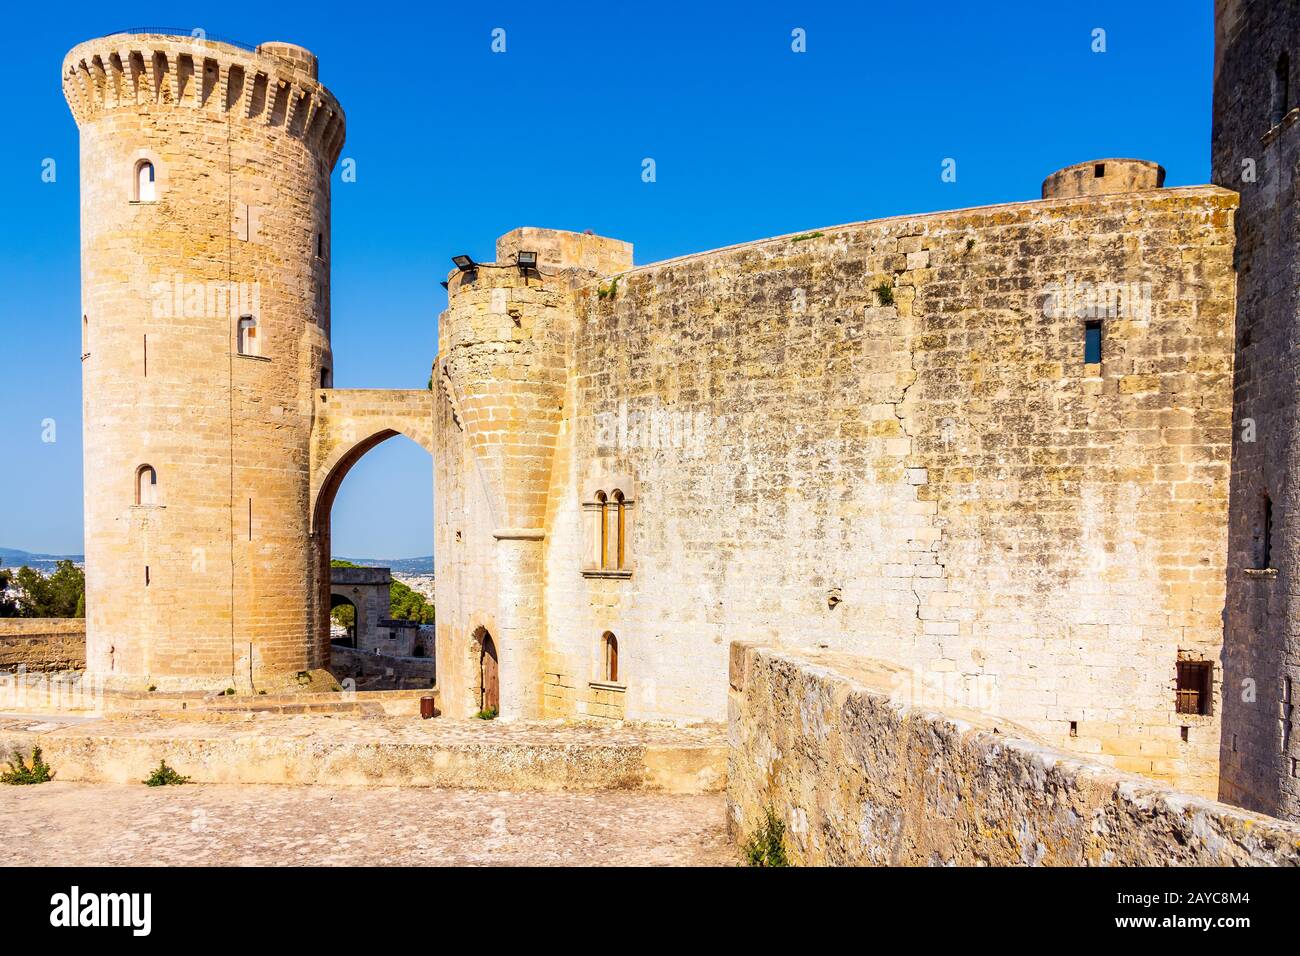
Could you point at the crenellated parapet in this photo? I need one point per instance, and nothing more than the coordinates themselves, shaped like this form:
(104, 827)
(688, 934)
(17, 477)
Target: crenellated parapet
(274, 86)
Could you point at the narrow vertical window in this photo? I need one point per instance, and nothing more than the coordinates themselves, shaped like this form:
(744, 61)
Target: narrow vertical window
(1281, 89)
(146, 575)
(602, 545)
(610, 649)
(1092, 342)
(1285, 713)
(326, 378)
(145, 186)
(144, 355)
(320, 245)
(85, 336)
(620, 526)
(246, 336)
(146, 485)
(1265, 535)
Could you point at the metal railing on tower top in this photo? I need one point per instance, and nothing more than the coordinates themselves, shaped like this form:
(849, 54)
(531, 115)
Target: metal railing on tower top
(193, 33)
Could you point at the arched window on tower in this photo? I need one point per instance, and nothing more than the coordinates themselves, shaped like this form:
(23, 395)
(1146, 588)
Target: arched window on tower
(607, 529)
(146, 485)
(602, 532)
(1281, 88)
(619, 507)
(246, 335)
(145, 185)
(609, 651)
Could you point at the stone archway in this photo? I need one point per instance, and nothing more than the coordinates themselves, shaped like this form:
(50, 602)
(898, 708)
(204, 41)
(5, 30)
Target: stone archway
(337, 601)
(347, 424)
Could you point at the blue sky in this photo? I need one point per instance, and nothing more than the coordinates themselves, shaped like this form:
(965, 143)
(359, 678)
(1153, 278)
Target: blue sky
(455, 144)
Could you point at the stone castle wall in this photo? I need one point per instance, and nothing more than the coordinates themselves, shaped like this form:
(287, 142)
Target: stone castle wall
(1256, 150)
(938, 480)
(213, 582)
(42, 643)
(863, 775)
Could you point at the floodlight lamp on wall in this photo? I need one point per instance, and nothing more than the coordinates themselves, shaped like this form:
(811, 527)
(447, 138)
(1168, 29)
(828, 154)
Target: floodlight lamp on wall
(526, 261)
(463, 263)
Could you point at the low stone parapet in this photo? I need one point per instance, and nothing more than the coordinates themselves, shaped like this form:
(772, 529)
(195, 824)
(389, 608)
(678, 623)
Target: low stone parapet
(42, 643)
(862, 777)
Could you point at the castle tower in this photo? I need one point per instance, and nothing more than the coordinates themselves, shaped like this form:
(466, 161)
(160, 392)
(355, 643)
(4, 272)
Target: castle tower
(1255, 150)
(205, 241)
(504, 359)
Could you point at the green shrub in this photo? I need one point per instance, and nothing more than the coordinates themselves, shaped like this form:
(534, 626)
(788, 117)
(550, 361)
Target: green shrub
(885, 292)
(20, 773)
(487, 713)
(804, 237)
(608, 291)
(165, 776)
(767, 846)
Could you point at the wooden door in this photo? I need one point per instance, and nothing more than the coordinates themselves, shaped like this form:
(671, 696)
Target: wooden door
(490, 679)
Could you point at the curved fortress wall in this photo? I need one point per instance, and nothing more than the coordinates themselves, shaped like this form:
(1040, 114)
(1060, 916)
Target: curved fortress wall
(934, 475)
(203, 578)
(1256, 150)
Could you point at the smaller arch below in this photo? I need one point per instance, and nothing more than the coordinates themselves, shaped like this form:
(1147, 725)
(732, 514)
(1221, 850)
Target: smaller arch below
(146, 485)
(609, 670)
(145, 181)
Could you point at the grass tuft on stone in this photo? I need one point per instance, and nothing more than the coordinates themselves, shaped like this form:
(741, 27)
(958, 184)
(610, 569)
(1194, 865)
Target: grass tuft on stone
(21, 774)
(766, 847)
(487, 713)
(885, 293)
(164, 776)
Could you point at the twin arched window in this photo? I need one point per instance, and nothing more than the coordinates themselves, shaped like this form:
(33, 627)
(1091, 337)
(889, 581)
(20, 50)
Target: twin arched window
(145, 187)
(146, 485)
(608, 517)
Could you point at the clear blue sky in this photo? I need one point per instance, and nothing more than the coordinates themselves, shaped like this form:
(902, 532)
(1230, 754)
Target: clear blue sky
(455, 145)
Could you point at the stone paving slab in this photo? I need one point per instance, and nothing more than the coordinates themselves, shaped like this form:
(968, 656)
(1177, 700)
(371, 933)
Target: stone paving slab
(64, 824)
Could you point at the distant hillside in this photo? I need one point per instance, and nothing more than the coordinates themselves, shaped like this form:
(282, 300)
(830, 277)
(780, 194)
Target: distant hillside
(13, 556)
(400, 565)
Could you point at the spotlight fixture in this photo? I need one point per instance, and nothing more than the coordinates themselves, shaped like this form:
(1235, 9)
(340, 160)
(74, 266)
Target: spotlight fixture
(463, 263)
(526, 261)
(445, 285)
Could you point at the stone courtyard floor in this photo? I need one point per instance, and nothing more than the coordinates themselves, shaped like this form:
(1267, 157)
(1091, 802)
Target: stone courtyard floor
(91, 824)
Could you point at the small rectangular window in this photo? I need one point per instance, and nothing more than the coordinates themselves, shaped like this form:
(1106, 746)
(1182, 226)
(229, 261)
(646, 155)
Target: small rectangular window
(1092, 342)
(1195, 687)
(1099, 170)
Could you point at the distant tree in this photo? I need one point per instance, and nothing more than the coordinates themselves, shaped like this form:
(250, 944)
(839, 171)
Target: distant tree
(409, 605)
(8, 605)
(60, 594)
(344, 615)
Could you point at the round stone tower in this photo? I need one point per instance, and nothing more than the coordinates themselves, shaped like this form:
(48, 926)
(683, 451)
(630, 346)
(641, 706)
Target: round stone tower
(205, 242)
(1255, 150)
